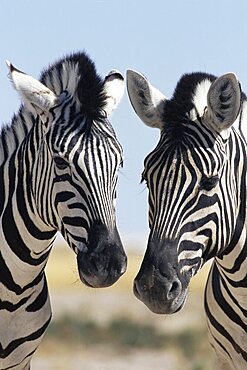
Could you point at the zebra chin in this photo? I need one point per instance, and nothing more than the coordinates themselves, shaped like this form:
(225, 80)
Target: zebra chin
(102, 261)
(162, 299)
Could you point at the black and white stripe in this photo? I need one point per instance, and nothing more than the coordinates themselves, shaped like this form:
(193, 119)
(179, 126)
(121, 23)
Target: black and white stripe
(59, 160)
(196, 178)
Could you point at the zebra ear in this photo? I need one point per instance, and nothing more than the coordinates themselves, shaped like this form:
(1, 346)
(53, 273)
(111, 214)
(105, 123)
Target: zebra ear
(223, 102)
(114, 89)
(32, 91)
(147, 101)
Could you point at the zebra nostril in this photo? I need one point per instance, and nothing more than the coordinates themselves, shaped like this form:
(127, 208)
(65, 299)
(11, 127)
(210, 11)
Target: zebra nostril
(174, 286)
(173, 289)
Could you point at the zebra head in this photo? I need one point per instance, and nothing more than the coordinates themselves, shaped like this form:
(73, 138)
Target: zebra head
(192, 178)
(75, 159)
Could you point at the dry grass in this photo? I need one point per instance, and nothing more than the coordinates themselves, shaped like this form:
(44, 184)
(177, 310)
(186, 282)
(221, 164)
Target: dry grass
(96, 329)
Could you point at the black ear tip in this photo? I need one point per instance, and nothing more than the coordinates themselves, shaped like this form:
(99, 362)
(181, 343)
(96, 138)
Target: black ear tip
(240, 87)
(10, 66)
(114, 74)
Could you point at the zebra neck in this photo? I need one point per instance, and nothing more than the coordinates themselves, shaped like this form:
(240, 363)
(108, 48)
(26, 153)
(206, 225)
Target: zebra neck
(24, 233)
(231, 257)
(13, 134)
(234, 255)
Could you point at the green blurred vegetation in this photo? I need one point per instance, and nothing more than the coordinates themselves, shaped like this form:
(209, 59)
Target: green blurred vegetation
(123, 335)
(80, 327)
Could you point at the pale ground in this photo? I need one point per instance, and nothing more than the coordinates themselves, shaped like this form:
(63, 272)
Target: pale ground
(70, 297)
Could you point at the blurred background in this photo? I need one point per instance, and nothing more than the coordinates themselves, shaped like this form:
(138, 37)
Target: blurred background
(109, 328)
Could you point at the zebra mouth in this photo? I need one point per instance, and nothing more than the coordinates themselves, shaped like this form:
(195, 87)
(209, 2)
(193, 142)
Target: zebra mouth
(85, 281)
(98, 270)
(157, 302)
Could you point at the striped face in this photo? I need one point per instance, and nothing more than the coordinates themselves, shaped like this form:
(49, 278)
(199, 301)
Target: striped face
(76, 158)
(187, 203)
(192, 178)
(84, 169)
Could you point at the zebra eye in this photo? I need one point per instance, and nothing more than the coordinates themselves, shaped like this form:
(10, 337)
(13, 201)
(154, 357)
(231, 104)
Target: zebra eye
(208, 183)
(61, 163)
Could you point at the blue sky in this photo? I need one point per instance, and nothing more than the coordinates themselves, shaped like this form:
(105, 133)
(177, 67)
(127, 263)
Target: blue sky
(161, 38)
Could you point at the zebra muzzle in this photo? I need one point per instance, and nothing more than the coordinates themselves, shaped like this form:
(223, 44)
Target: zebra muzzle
(100, 270)
(102, 261)
(159, 283)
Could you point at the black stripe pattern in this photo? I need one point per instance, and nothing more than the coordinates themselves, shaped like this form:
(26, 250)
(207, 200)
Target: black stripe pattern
(58, 171)
(196, 178)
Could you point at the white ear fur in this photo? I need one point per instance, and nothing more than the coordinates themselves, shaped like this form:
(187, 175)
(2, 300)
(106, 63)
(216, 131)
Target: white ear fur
(32, 91)
(114, 88)
(223, 102)
(147, 101)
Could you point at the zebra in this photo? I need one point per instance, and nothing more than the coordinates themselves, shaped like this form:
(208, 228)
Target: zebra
(196, 177)
(59, 162)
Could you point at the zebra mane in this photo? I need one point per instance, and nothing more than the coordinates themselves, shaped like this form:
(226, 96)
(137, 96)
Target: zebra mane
(190, 93)
(187, 96)
(77, 74)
